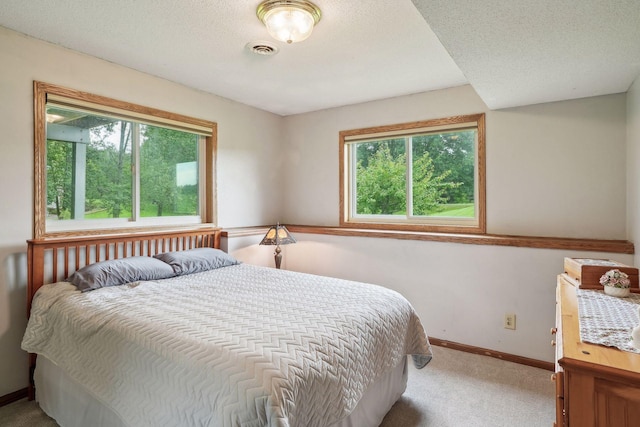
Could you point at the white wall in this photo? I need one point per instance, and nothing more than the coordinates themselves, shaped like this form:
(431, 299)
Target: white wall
(246, 140)
(633, 164)
(552, 170)
(461, 292)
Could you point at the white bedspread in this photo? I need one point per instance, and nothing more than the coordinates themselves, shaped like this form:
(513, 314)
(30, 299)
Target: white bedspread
(236, 346)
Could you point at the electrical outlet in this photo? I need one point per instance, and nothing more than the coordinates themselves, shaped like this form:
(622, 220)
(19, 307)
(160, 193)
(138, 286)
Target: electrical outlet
(509, 321)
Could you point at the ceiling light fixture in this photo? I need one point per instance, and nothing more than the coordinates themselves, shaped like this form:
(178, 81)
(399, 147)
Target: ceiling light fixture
(289, 21)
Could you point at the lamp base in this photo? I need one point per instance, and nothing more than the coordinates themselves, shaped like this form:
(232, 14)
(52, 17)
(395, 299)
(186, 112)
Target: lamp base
(278, 256)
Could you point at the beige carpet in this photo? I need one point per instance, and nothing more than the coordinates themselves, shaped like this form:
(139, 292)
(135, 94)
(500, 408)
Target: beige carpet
(455, 390)
(466, 390)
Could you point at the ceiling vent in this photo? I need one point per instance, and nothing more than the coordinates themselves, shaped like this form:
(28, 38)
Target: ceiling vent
(262, 48)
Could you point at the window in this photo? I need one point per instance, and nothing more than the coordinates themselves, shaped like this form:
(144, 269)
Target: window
(103, 164)
(421, 176)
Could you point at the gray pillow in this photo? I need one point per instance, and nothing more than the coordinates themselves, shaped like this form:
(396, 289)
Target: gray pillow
(196, 260)
(119, 271)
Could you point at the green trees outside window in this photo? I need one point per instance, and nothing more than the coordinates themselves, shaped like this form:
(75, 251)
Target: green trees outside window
(168, 173)
(92, 171)
(419, 176)
(441, 168)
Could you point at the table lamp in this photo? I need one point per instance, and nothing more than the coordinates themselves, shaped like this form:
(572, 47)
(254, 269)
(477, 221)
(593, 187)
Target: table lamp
(278, 235)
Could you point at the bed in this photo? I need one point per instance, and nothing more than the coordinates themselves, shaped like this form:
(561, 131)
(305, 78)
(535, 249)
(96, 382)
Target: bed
(210, 341)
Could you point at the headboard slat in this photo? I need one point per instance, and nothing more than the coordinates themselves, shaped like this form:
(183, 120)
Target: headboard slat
(55, 264)
(114, 245)
(66, 262)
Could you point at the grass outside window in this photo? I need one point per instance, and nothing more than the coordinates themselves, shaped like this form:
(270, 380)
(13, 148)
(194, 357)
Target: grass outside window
(422, 176)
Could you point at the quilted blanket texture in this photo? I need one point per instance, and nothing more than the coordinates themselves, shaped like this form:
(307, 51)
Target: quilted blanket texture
(237, 346)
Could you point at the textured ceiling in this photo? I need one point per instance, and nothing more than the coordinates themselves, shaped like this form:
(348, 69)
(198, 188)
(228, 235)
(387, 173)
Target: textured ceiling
(514, 52)
(360, 50)
(521, 52)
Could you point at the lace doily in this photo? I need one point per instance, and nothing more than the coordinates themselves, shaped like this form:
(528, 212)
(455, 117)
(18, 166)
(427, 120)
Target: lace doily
(607, 320)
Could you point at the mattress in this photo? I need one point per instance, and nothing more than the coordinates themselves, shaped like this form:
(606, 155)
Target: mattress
(235, 346)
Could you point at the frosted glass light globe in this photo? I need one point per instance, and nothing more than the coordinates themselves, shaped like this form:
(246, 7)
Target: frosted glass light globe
(288, 24)
(289, 21)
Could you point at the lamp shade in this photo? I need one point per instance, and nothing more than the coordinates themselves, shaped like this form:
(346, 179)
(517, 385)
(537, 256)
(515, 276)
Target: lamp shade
(278, 235)
(289, 20)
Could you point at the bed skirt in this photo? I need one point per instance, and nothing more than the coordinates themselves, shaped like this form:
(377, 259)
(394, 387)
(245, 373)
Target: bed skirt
(67, 402)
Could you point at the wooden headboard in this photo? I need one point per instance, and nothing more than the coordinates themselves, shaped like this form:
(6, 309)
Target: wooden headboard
(51, 260)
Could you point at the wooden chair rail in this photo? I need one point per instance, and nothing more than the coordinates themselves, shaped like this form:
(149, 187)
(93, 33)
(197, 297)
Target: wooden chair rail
(562, 243)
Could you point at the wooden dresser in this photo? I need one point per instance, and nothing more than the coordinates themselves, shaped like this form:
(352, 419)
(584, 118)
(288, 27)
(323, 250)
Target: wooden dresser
(595, 385)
